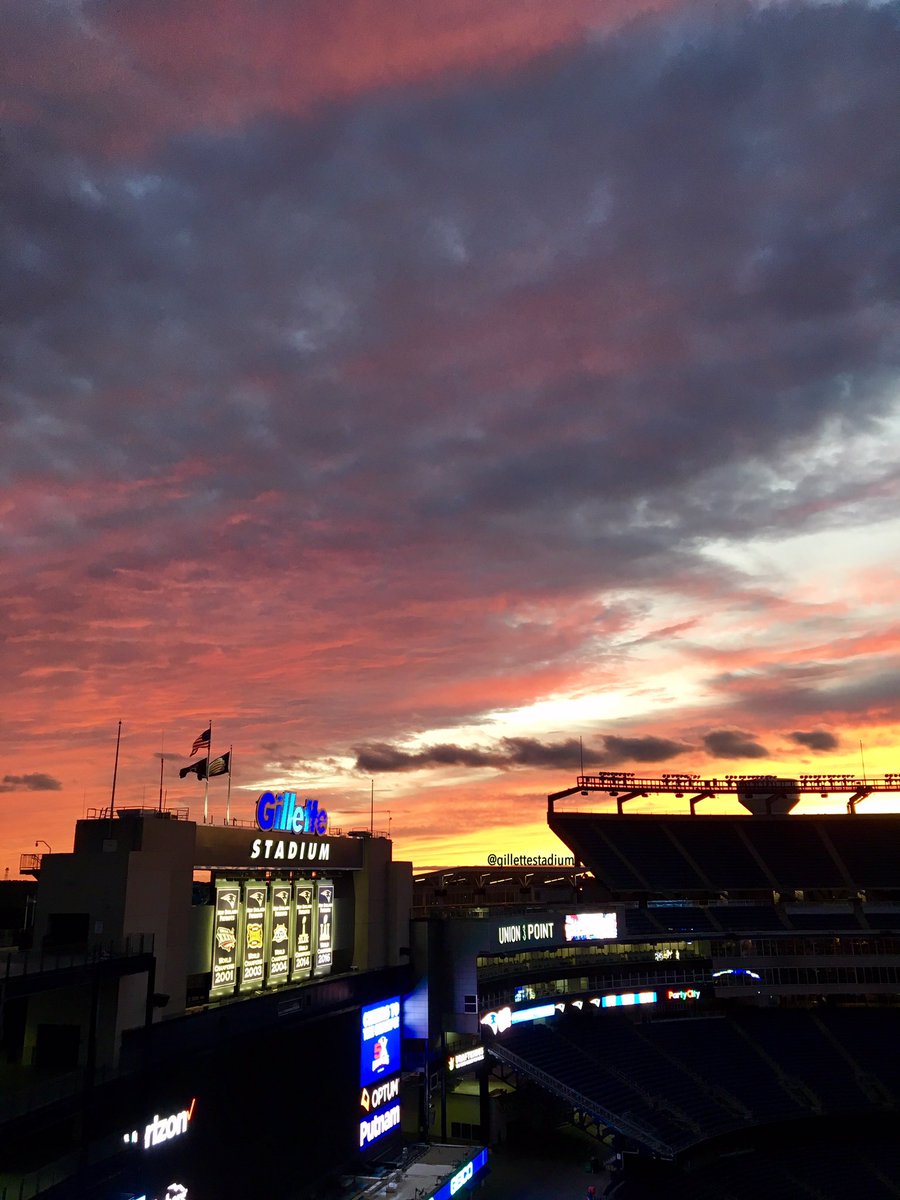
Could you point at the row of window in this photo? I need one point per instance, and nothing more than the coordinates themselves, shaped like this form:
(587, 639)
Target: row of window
(492, 965)
(571, 956)
(810, 947)
(768, 977)
(822, 976)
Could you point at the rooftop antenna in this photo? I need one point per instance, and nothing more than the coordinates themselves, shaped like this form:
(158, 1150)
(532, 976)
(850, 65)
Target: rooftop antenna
(112, 798)
(162, 763)
(372, 809)
(862, 759)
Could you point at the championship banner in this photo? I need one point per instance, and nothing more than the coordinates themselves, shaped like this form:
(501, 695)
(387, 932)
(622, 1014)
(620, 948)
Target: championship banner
(303, 920)
(254, 936)
(280, 933)
(225, 939)
(325, 925)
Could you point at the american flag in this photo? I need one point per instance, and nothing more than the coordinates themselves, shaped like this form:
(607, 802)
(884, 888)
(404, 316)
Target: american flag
(202, 739)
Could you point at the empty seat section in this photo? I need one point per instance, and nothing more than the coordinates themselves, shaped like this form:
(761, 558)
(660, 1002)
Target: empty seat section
(793, 852)
(834, 919)
(683, 921)
(871, 1037)
(588, 844)
(639, 923)
(614, 1039)
(722, 1057)
(719, 853)
(796, 1042)
(882, 920)
(869, 847)
(747, 918)
(646, 846)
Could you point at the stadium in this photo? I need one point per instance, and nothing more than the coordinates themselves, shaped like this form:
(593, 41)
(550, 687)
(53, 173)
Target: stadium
(714, 997)
(711, 1001)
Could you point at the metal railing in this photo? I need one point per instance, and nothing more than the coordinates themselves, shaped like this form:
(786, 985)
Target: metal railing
(15, 964)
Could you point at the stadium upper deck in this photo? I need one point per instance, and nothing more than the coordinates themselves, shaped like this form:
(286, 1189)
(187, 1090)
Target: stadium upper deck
(853, 855)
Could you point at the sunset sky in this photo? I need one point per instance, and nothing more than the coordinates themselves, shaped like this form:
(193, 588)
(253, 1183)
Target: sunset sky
(416, 387)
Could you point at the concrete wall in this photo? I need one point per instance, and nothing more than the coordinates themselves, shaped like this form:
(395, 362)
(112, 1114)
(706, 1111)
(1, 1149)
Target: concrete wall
(383, 895)
(130, 877)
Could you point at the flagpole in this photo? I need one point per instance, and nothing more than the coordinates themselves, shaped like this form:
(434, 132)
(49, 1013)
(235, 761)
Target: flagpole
(112, 798)
(208, 761)
(162, 763)
(228, 797)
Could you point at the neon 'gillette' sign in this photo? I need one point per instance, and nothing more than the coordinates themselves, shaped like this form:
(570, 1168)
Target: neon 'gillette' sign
(281, 811)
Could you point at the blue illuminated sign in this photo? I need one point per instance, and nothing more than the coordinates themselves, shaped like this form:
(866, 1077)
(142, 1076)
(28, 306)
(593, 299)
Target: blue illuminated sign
(377, 1124)
(502, 1019)
(626, 999)
(466, 1173)
(379, 1040)
(282, 812)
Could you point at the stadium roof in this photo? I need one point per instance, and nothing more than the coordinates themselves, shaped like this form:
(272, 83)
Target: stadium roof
(682, 855)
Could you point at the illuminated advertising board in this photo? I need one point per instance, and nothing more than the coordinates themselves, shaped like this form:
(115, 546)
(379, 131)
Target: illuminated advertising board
(526, 933)
(303, 925)
(174, 1191)
(253, 959)
(500, 1020)
(379, 1041)
(280, 811)
(225, 939)
(279, 967)
(324, 925)
(464, 1175)
(374, 1127)
(591, 927)
(378, 1095)
(627, 999)
(225, 848)
(161, 1129)
(466, 1058)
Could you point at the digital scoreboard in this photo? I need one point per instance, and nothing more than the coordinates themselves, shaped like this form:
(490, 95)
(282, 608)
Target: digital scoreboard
(379, 1070)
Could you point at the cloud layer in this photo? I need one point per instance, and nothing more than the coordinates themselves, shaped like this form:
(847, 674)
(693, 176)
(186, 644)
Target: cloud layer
(418, 407)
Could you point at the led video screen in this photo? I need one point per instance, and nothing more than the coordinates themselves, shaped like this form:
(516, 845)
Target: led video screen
(379, 1040)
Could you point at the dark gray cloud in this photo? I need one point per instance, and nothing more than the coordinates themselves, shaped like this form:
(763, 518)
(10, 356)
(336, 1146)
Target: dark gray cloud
(376, 242)
(815, 689)
(521, 752)
(381, 757)
(37, 781)
(733, 743)
(815, 739)
(642, 749)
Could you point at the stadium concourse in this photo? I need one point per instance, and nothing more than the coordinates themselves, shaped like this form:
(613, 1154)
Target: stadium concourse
(721, 1006)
